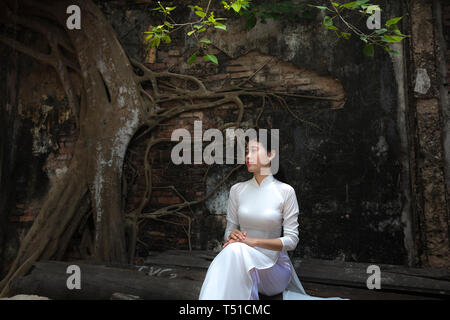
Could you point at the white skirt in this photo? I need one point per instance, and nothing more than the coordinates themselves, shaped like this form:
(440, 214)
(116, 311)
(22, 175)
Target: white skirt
(240, 271)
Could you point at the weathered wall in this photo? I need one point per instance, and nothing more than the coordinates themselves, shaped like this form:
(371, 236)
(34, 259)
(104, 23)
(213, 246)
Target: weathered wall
(429, 127)
(347, 173)
(350, 167)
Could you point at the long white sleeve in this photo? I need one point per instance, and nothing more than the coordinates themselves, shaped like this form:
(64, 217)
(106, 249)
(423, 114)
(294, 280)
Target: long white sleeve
(232, 215)
(290, 223)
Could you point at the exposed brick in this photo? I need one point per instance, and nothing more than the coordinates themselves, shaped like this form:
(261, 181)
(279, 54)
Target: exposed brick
(66, 150)
(169, 200)
(241, 74)
(295, 82)
(272, 83)
(259, 78)
(26, 218)
(137, 200)
(155, 66)
(218, 77)
(237, 68)
(276, 70)
(171, 60)
(289, 76)
(64, 156)
(174, 52)
(162, 54)
(69, 144)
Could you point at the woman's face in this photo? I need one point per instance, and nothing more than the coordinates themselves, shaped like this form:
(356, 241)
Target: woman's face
(256, 156)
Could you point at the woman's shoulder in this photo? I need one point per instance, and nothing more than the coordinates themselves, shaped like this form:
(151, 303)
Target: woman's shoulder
(284, 186)
(237, 185)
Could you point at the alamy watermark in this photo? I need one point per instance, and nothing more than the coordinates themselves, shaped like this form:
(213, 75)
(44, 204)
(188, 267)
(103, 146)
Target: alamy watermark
(374, 280)
(74, 280)
(374, 21)
(214, 152)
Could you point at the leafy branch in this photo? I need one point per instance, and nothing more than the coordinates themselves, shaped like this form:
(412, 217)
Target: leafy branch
(382, 37)
(334, 20)
(206, 20)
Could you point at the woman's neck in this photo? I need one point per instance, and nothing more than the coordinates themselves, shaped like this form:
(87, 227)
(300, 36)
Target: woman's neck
(259, 177)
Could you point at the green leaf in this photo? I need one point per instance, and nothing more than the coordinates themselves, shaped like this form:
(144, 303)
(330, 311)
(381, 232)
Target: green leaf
(346, 35)
(318, 7)
(192, 59)
(205, 41)
(190, 32)
(225, 5)
(380, 31)
(349, 5)
(236, 6)
(200, 13)
(211, 57)
(168, 24)
(220, 26)
(392, 38)
(336, 4)
(393, 21)
(195, 7)
(332, 28)
(327, 21)
(400, 34)
(155, 42)
(368, 50)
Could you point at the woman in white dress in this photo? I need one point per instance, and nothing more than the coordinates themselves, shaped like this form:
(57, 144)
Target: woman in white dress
(254, 257)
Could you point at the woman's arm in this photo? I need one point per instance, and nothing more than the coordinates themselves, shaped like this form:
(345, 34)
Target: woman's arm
(290, 221)
(271, 244)
(232, 214)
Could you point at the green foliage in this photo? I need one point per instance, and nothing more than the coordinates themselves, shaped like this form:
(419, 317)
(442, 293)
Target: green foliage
(333, 20)
(382, 37)
(157, 34)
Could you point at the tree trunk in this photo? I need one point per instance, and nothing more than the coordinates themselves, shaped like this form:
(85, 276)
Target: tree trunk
(109, 115)
(110, 119)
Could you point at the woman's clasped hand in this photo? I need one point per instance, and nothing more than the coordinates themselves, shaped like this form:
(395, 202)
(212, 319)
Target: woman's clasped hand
(238, 236)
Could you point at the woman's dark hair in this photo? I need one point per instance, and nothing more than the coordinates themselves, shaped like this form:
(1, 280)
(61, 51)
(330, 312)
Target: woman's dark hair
(271, 137)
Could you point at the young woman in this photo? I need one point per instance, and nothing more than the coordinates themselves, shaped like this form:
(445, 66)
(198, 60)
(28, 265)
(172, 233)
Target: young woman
(254, 257)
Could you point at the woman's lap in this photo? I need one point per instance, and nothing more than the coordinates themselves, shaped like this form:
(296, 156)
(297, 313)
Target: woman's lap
(239, 256)
(271, 281)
